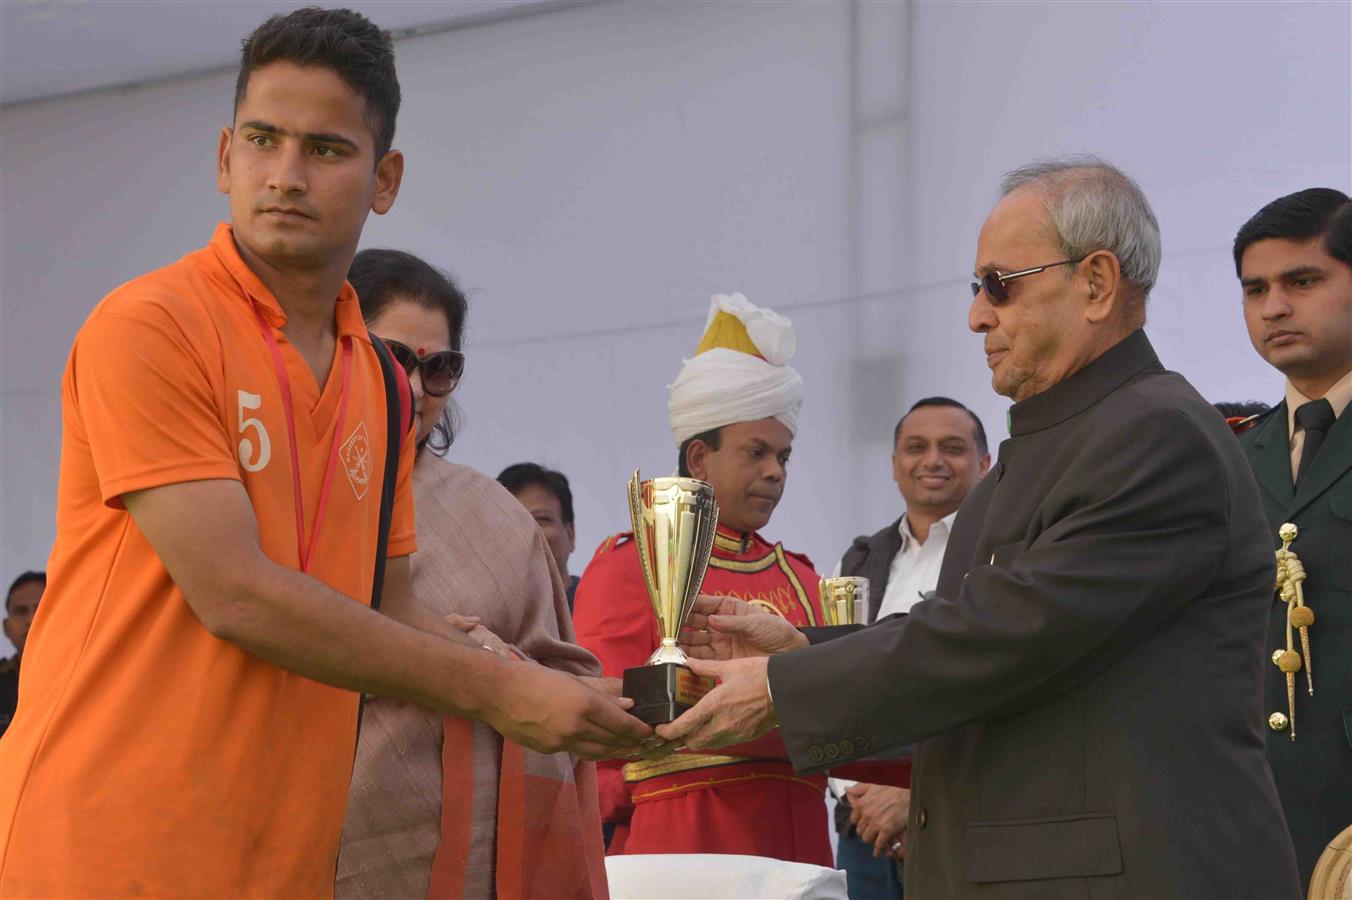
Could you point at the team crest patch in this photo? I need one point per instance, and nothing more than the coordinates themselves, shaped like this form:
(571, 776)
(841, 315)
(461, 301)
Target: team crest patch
(356, 456)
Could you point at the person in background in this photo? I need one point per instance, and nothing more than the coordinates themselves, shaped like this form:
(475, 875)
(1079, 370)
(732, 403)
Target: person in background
(1241, 415)
(939, 453)
(21, 603)
(1242, 409)
(1294, 262)
(548, 498)
(441, 805)
(733, 411)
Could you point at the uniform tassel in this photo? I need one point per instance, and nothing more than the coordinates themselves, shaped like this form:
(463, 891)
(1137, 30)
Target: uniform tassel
(1291, 580)
(1303, 617)
(1291, 700)
(1289, 662)
(1309, 669)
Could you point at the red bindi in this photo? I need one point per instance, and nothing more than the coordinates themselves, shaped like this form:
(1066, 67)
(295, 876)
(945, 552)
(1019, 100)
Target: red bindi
(422, 352)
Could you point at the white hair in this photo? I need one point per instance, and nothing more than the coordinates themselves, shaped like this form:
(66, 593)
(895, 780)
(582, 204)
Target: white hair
(1095, 206)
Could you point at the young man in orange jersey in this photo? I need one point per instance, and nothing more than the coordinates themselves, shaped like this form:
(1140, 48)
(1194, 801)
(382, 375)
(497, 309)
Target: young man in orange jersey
(734, 412)
(188, 717)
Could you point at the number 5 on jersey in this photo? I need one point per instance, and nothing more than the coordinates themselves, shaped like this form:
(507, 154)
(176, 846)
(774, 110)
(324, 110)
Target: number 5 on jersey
(246, 445)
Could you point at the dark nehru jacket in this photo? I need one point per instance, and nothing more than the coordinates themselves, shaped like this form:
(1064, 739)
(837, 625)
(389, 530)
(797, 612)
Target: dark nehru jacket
(870, 556)
(1313, 772)
(1087, 686)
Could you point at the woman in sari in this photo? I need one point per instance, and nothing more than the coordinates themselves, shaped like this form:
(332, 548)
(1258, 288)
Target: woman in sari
(442, 806)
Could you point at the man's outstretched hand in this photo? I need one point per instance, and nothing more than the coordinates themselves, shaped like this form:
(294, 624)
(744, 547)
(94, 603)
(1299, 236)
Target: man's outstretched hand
(734, 712)
(725, 628)
(551, 711)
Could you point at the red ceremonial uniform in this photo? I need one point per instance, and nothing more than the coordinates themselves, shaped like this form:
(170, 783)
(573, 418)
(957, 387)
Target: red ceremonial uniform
(745, 799)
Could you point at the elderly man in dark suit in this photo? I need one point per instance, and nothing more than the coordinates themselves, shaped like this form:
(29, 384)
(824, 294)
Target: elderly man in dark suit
(1294, 261)
(1085, 688)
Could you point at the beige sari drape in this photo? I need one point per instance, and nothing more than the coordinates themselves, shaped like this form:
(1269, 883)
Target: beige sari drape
(445, 807)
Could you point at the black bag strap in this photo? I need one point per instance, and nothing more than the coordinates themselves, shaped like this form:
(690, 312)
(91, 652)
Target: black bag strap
(398, 419)
(398, 422)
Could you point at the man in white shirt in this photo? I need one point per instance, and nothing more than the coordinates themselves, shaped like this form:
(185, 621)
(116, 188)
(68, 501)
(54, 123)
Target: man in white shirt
(939, 453)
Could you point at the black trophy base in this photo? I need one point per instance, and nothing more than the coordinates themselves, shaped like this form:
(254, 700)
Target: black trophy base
(663, 691)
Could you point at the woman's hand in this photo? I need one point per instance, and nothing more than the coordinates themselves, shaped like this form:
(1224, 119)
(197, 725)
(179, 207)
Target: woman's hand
(483, 637)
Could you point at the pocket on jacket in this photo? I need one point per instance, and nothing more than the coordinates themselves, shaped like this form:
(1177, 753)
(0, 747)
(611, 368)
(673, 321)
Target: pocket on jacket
(1082, 846)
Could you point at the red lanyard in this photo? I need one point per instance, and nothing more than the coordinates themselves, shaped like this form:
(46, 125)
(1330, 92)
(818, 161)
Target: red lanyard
(304, 549)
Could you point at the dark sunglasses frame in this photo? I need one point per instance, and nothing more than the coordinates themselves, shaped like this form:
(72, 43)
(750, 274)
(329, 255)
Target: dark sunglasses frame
(411, 361)
(994, 282)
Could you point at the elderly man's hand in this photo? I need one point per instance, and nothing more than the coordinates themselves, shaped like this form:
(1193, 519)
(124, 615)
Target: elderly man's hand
(726, 628)
(734, 712)
(879, 813)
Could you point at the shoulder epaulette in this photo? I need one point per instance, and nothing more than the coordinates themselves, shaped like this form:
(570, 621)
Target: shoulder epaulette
(756, 536)
(801, 557)
(615, 540)
(1241, 424)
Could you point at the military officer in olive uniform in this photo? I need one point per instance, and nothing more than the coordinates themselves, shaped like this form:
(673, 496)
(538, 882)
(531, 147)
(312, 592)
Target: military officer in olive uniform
(1294, 260)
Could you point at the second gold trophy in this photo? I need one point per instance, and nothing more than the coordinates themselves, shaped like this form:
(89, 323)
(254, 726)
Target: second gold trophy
(674, 523)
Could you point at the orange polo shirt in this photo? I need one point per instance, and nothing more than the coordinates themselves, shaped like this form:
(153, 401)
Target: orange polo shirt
(146, 756)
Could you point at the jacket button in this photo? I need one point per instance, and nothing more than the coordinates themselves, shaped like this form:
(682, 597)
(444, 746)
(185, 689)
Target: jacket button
(862, 744)
(922, 817)
(814, 754)
(832, 751)
(847, 747)
(1277, 721)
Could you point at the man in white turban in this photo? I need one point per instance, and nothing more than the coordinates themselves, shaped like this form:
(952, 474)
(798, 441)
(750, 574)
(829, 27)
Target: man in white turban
(739, 373)
(734, 412)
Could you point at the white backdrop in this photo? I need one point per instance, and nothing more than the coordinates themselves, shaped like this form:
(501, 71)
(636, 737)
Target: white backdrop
(594, 174)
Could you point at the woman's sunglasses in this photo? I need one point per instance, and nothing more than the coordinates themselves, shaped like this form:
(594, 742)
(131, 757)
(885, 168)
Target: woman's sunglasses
(440, 371)
(994, 283)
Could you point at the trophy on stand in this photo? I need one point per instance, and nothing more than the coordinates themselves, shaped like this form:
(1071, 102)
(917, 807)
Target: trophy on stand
(674, 523)
(844, 600)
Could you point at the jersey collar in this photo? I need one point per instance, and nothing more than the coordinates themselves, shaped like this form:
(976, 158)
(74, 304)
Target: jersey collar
(347, 312)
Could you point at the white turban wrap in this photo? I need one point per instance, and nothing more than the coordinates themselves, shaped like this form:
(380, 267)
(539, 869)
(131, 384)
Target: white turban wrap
(722, 386)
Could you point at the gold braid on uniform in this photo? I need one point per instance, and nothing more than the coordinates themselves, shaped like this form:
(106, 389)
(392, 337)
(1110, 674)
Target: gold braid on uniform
(1299, 617)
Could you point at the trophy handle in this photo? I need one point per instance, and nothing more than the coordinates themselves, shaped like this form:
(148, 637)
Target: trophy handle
(703, 551)
(844, 600)
(641, 538)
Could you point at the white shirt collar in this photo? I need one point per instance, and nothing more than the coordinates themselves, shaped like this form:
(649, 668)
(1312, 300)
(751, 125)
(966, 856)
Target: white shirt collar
(907, 535)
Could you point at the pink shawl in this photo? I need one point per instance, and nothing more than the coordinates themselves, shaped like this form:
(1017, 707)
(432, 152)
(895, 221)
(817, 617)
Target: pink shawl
(444, 807)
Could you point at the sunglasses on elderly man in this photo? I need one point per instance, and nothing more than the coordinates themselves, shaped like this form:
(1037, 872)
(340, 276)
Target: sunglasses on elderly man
(440, 371)
(994, 282)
